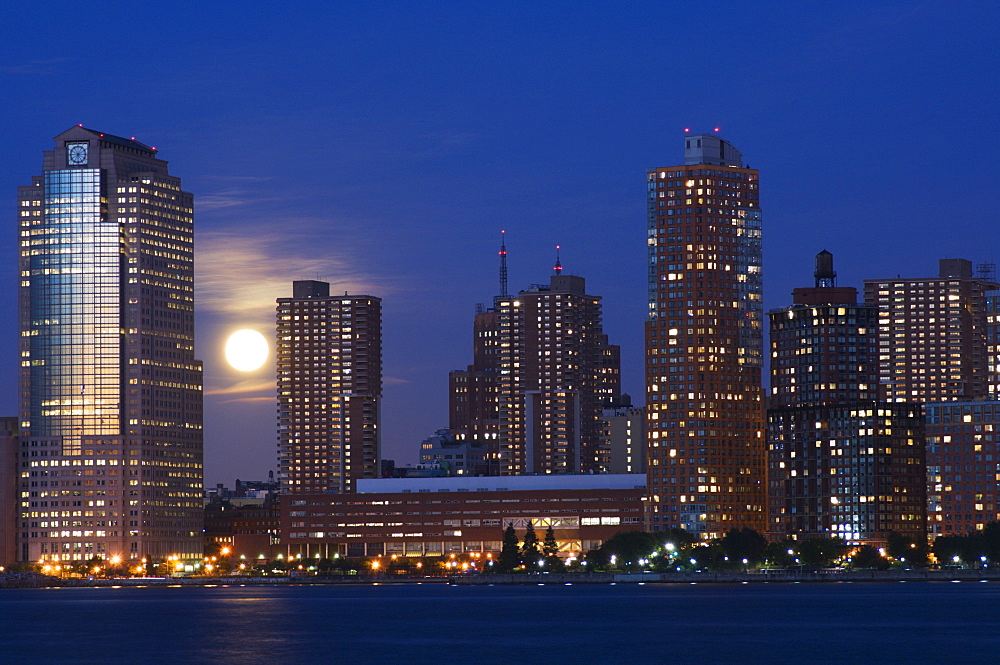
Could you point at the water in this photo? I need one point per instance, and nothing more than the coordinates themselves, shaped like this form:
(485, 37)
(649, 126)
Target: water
(927, 622)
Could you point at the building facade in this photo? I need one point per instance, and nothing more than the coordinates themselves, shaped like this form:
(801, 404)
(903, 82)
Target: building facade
(623, 437)
(853, 471)
(111, 393)
(841, 463)
(932, 334)
(473, 406)
(438, 517)
(329, 359)
(542, 369)
(453, 456)
(706, 452)
(553, 376)
(963, 453)
(9, 489)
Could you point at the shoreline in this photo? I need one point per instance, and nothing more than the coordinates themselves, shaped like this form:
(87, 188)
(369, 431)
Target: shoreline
(22, 581)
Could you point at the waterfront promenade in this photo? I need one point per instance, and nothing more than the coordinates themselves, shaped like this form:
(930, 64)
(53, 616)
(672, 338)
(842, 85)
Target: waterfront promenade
(21, 580)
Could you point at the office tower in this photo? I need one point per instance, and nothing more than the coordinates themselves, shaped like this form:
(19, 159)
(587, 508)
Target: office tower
(932, 334)
(706, 453)
(111, 393)
(841, 463)
(329, 353)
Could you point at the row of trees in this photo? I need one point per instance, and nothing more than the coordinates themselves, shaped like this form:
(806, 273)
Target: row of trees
(977, 547)
(739, 549)
(529, 555)
(746, 548)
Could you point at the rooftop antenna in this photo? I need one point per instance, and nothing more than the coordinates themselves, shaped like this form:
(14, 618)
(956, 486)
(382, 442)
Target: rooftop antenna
(987, 270)
(503, 264)
(558, 266)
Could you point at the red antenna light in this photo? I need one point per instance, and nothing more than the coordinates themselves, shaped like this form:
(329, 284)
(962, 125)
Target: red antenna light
(503, 263)
(687, 129)
(716, 130)
(80, 125)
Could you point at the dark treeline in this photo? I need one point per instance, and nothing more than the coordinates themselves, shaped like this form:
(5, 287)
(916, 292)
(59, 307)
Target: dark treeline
(739, 549)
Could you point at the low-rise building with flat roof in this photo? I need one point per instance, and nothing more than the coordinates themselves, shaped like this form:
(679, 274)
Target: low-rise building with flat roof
(419, 517)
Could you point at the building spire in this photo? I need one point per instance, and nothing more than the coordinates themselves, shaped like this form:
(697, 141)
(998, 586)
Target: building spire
(503, 263)
(558, 267)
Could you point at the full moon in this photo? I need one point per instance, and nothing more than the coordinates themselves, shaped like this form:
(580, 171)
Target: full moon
(246, 350)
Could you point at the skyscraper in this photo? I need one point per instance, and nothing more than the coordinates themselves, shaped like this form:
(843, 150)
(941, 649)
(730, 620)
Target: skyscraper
(706, 453)
(473, 409)
(554, 374)
(841, 462)
(111, 393)
(933, 334)
(329, 353)
(542, 370)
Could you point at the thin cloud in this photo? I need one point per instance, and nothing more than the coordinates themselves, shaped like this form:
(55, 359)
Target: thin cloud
(34, 66)
(239, 178)
(240, 273)
(394, 380)
(242, 387)
(230, 198)
(248, 400)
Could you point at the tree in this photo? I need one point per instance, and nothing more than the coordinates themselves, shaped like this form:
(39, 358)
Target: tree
(510, 555)
(677, 537)
(744, 544)
(597, 560)
(550, 549)
(776, 553)
(990, 539)
(907, 550)
(628, 547)
(946, 548)
(868, 557)
(820, 552)
(529, 548)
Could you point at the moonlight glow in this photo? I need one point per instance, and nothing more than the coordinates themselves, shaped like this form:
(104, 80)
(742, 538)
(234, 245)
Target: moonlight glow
(246, 350)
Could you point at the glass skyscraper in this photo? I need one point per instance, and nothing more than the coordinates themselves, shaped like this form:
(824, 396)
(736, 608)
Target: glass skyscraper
(110, 391)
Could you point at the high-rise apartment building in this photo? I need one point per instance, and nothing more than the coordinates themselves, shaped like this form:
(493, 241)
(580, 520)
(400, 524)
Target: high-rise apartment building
(963, 450)
(706, 453)
(111, 393)
(552, 378)
(932, 334)
(329, 355)
(823, 348)
(473, 410)
(542, 370)
(841, 463)
(623, 437)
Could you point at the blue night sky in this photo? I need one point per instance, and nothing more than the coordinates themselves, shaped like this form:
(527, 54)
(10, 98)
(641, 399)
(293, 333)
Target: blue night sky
(382, 147)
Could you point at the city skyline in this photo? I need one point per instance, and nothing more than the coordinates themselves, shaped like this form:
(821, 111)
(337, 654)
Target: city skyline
(535, 120)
